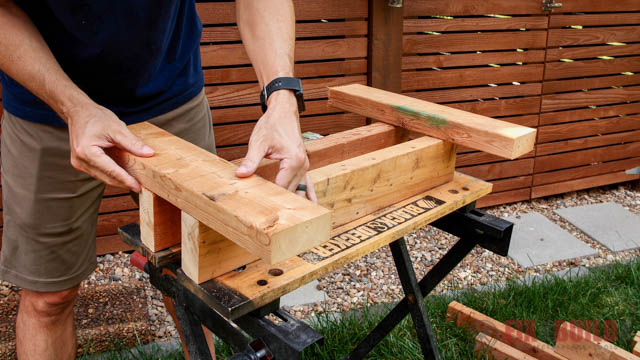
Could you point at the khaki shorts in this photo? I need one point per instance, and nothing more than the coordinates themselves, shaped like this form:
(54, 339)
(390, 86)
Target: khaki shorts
(51, 209)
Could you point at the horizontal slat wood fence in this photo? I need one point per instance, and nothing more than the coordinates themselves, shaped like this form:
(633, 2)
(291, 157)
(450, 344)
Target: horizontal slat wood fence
(572, 73)
(491, 65)
(589, 130)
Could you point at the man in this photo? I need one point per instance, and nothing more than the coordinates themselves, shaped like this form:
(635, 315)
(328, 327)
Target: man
(75, 72)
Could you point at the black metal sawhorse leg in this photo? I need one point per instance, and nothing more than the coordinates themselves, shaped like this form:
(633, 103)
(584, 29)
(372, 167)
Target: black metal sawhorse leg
(474, 228)
(247, 335)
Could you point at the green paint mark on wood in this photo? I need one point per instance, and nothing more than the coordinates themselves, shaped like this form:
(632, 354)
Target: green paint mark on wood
(434, 120)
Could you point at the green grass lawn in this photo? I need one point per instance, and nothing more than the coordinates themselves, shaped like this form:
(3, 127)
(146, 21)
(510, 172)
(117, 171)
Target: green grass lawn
(607, 293)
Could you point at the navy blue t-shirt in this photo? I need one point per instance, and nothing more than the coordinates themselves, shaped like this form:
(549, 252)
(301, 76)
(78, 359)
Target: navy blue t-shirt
(138, 58)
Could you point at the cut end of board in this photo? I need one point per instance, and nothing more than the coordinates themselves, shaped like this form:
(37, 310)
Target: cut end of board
(461, 127)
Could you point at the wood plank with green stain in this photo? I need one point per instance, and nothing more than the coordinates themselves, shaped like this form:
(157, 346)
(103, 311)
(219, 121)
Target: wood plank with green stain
(460, 127)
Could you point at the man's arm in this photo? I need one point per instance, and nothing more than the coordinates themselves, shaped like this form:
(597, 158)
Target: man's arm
(26, 58)
(268, 33)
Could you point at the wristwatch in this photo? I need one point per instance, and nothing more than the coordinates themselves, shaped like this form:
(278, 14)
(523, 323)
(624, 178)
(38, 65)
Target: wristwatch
(283, 83)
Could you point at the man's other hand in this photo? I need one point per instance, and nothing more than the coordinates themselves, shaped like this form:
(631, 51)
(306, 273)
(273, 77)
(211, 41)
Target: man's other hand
(277, 136)
(92, 129)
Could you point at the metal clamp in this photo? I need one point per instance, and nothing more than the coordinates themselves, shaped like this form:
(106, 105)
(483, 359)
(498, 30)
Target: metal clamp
(549, 5)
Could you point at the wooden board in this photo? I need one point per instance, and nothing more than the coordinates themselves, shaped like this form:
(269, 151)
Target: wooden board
(108, 223)
(557, 21)
(580, 68)
(501, 107)
(476, 93)
(159, 221)
(241, 133)
(225, 12)
(256, 287)
(471, 7)
(239, 94)
(588, 156)
(585, 171)
(235, 54)
(302, 70)
(497, 198)
(475, 24)
(206, 253)
(592, 51)
(303, 30)
(501, 170)
(588, 142)
(586, 36)
(583, 183)
(578, 344)
(361, 185)
(467, 129)
(258, 215)
(426, 43)
(582, 99)
(497, 350)
(580, 129)
(464, 316)
(465, 77)
(589, 113)
(599, 6)
(468, 59)
(636, 344)
(590, 83)
(107, 244)
(339, 146)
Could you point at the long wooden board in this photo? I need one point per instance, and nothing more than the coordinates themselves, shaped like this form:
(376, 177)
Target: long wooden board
(460, 127)
(258, 215)
(497, 350)
(579, 344)
(465, 316)
(361, 185)
(339, 146)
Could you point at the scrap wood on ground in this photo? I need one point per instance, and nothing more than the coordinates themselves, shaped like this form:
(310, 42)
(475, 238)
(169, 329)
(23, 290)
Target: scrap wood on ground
(502, 342)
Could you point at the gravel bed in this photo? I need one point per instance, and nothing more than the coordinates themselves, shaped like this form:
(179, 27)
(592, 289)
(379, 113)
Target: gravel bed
(372, 279)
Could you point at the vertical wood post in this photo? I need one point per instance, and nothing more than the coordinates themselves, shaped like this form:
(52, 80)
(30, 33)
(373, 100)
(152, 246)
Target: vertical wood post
(385, 46)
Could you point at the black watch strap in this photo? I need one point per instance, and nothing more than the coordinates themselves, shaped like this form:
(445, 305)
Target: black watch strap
(283, 83)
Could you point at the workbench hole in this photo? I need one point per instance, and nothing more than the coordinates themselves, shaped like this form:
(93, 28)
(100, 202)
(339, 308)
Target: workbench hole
(275, 272)
(465, 188)
(262, 282)
(453, 191)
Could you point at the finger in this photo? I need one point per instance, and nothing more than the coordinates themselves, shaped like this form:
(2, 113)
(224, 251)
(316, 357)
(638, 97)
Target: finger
(131, 143)
(311, 192)
(109, 172)
(290, 172)
(250, 163)
(297, 179)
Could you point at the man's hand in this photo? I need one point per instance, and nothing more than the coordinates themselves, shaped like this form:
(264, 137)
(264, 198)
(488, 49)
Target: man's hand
(277, 136)
(93, 128)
